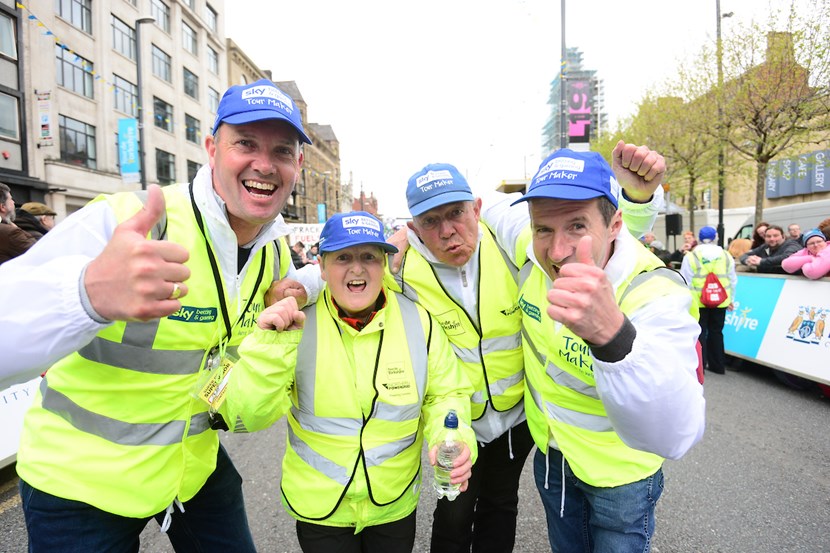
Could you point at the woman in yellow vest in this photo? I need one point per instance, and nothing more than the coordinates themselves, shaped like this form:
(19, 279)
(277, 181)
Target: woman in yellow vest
(366, 379)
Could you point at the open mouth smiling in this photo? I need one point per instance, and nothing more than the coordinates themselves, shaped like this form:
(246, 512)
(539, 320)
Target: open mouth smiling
(257, 188)
(356, 285)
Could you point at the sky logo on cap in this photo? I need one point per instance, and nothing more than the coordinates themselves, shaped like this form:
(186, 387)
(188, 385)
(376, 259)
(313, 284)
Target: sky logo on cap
(432, 176)
(262, 93)
(362, 222)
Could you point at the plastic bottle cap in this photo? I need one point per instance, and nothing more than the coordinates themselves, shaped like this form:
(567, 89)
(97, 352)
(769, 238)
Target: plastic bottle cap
(451, 420)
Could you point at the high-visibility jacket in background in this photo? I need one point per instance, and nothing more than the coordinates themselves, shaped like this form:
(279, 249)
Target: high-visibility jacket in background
(702, 266)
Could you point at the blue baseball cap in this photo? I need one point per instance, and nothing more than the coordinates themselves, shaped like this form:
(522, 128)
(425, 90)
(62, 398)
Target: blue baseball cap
(569, 175)
(707, 233)
(434, 185)
(258, 101)
(344, 230)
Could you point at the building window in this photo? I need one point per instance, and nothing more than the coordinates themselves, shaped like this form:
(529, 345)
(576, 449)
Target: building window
(126, 96)
(8, 45)
(213, 60)
(191, 83)
(165, 167)
(211, 18)
(163, 114)
(123, 38)
(77, 142)
(190, 41)
(74, 72)
(9, 124)
(193, 129)
(77, 12)
(189, 3)
(161, 12)
(132, 2)
(213, 100)
(161, 64)
(192, 168)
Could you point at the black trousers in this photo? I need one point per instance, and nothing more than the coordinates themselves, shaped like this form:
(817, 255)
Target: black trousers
(484, 517)
(711, 338)
(393, 537)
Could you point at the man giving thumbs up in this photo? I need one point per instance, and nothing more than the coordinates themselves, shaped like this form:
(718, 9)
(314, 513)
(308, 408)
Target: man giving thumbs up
(135, 304)
(610, 359)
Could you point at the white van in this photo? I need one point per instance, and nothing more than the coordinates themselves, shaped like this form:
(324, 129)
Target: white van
(806, 214)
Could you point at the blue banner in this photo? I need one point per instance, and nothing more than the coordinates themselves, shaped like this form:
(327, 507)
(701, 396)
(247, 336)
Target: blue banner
(821, 171)
(746, 325)
(128, 150)
(803, 173)
(321, 213)
(786, 179)
(772, 179)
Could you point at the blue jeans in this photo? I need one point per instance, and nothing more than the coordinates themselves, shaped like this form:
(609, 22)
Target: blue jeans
(602, 520)
(214, 520)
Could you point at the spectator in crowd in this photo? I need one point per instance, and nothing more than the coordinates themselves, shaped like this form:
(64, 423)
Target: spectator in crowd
(657, 248)
(13, 240)
(768, 257)
(794, 232)
(758, 235)
(824, 227)
(707, 258)
(689, 243)
(814, 260)
(35, 218)
(738, 247)
(298, 255)
(313, 253)
(648, 238)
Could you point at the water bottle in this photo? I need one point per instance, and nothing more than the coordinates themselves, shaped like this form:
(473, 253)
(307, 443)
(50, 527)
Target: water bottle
(450, 446)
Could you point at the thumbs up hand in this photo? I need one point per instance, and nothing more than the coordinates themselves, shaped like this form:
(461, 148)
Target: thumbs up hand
(135, 278)
(283, 315)
(582, 298)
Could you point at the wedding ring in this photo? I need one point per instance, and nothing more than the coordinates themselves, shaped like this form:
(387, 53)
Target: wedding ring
(177, 291)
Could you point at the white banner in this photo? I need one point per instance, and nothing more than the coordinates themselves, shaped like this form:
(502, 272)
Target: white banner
(307, 234)
(14, 402)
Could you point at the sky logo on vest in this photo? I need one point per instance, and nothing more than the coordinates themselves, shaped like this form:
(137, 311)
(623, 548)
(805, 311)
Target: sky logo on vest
(190, 314)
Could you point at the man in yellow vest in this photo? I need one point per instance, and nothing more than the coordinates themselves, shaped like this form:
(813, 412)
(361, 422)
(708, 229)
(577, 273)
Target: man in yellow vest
(456, 270)
(125, 325)
(610, 359)
(367, 378)
(707, 257)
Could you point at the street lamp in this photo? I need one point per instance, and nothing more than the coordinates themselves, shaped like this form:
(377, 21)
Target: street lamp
(139, 106)
(721, 139)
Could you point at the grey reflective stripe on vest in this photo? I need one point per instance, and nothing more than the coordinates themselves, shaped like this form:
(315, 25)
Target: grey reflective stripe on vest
(321, 464)
(135, 352)
(698, 272)
(499, 387)
(645, 276)
(594, 423)
(514, 272)
(524, 273)
(406, 288)
(561, 377)
(115, 431)
(340, 426)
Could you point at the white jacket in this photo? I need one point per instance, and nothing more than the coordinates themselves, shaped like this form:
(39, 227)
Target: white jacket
(43, 320)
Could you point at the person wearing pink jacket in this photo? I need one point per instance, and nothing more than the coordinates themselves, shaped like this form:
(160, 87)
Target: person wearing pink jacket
(813, 260)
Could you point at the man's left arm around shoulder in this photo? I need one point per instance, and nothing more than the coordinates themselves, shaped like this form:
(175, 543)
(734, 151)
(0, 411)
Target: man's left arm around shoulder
(646, 377)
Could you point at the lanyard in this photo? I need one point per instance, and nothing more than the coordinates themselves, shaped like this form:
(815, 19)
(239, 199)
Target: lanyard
(223, 307)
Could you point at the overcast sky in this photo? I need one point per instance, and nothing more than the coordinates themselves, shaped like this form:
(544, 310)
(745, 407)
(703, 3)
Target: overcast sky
(466, 82)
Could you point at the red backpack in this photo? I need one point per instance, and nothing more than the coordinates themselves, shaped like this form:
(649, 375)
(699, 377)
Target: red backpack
(713, 293)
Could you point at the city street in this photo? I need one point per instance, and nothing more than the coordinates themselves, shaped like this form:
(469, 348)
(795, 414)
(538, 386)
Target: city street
(759, 482)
